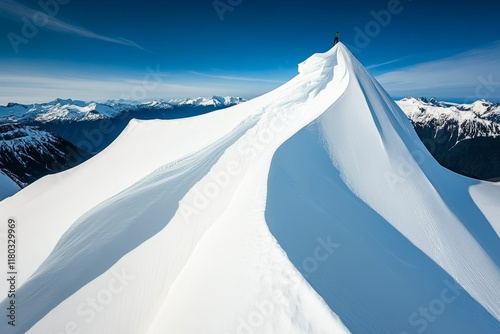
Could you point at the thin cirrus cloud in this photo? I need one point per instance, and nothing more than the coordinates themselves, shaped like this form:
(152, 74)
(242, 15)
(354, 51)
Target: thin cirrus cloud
(24, 85)
(235, 78)
(386, 63)
(469, 75)
(18, 11)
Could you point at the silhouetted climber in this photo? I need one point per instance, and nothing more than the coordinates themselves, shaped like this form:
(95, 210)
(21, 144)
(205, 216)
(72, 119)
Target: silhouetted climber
(336, 38)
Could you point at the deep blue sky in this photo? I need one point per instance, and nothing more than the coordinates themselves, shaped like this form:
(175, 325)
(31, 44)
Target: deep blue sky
(96, 50)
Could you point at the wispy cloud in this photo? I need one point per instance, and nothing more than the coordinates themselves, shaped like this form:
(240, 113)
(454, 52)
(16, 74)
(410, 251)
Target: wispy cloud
(235, 78)
(466, 75)
(23, 83)
(18, 11)
(34, 88)
(397, 60)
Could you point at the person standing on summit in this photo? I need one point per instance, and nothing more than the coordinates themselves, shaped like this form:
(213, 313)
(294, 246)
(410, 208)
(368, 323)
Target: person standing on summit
(336, 40)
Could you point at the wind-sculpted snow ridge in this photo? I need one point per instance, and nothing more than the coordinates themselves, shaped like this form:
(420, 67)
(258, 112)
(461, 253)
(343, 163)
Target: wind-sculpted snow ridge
(311, 209)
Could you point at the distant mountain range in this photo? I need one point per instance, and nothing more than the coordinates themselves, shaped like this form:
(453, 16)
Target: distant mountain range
(75, 110)
(29, 153)
(462, 137)
(40, 139)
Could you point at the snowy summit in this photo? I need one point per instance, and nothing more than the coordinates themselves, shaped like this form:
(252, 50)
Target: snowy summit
(314, 208)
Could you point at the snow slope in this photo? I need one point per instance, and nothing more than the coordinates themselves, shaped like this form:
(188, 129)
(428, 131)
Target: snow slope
(312, 209)
(7, 186)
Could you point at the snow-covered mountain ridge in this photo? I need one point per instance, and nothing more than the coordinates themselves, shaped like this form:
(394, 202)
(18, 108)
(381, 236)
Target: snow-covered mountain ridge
(28, 153)
(311, 209)
(75, 110)
(464, 138)
(478, 119)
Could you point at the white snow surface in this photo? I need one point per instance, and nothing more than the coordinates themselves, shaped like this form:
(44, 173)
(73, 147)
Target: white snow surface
(7, 186)
(312, 209)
